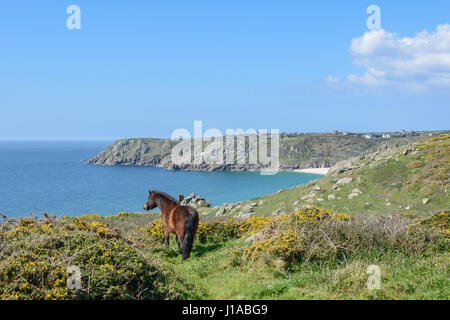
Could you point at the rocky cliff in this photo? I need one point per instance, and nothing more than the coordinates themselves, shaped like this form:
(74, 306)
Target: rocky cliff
(297, 151)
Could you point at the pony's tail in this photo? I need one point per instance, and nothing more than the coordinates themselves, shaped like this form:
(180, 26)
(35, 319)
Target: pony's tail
(190, 226)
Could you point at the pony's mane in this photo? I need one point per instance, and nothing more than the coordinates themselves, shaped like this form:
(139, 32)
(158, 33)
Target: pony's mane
(166, 196)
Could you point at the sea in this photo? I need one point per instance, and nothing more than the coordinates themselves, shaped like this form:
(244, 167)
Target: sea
(49, 176)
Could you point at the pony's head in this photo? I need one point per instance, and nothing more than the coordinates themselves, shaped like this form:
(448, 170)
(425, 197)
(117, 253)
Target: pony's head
(151, 203)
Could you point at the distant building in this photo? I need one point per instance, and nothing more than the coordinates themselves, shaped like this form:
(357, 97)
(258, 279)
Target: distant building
(386, 136)
(369, 136)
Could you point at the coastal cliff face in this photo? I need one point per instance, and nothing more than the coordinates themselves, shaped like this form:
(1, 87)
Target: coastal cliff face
(141, 152)
(297, 151)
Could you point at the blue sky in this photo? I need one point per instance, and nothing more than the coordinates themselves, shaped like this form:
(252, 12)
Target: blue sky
(145, 68)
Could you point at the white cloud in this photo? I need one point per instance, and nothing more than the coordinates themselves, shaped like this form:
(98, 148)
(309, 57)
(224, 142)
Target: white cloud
(416, 63)
(331, 79)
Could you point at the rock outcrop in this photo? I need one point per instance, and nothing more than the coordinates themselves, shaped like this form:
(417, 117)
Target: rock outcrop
(195, 201)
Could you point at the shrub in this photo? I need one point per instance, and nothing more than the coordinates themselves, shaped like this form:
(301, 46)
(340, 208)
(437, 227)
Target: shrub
(440, 222)
(34, 256)
(350, 279)
(321, 234)
(414, 164)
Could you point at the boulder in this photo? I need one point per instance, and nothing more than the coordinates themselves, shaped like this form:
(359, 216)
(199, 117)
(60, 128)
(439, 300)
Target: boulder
(352, 195)
(221, 212)
(344, 181)
(244, 215)
(195, 201)
(311, 195)
(343, 166)
(247, 208)
(278, 212)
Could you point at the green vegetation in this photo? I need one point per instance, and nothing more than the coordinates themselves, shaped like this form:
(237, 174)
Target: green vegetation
(35, 256)
(410, 178)
(316, 241)
(330, 262)
(310, 254)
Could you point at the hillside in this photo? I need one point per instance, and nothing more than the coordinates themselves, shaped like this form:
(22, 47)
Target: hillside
(409, 178)
(310, 254)
(297, 151)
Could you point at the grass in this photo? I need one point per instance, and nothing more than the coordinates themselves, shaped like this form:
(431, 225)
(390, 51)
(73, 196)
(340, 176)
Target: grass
(412, 265)
(402, 277)
(412, 253)
(391, 182)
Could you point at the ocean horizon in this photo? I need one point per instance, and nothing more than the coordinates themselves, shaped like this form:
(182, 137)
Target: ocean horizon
(49, 176)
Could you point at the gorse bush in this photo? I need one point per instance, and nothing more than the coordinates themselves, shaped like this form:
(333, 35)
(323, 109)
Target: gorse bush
(215, 231)
(226, 229)
(35, 255)
(315, 233)
(440, 222)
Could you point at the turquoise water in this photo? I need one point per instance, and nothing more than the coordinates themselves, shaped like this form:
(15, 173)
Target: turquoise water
(48, 176)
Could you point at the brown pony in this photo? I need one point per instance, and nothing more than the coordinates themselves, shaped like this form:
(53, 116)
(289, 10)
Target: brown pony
(181, 220)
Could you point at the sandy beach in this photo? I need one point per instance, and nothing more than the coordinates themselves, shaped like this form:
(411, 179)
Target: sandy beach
(314, 170)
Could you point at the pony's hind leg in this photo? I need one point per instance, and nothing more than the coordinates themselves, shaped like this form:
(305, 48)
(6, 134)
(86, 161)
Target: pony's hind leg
(179, 242)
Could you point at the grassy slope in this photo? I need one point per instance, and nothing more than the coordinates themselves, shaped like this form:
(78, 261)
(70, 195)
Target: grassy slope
(315, 150)
(389, 183)
(402, 278)
(214, 272)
